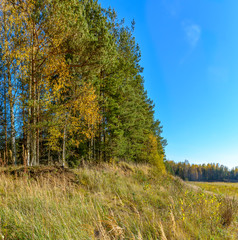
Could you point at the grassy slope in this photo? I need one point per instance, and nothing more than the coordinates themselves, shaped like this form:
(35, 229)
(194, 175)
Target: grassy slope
(111, 202)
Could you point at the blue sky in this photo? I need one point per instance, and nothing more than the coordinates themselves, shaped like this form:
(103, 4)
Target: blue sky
(190, 56)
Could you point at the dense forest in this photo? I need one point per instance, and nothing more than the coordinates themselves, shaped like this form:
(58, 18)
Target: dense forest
(72, 88)
(205, 172)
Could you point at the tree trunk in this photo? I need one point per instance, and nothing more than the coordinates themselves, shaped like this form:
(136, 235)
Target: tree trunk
(33, 79)
(7, 50)
(64, 142)
(5, 121)
(24, 144)
(49, 158)
(29, 138)
(38, 130)
(5, 94)
(12, 117)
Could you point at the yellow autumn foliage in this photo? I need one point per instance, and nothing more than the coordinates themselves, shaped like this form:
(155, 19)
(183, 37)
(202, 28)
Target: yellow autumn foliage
(151, 153)
(79, 116)
(40, 55)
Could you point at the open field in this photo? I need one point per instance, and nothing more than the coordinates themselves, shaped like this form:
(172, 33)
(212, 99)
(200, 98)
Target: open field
(223, 188)
(109, 202)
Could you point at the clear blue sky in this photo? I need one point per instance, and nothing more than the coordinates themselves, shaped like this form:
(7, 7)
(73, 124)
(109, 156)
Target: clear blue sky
(190, 55)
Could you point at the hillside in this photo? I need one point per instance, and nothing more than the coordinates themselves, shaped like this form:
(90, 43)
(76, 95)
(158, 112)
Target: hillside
(109, 202)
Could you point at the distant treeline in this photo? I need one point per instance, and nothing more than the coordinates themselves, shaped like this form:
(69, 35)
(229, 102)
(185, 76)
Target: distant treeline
(204, 172)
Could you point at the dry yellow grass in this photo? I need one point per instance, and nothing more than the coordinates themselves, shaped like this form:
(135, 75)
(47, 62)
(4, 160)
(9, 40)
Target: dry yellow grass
(223, 188)
(108, 202)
